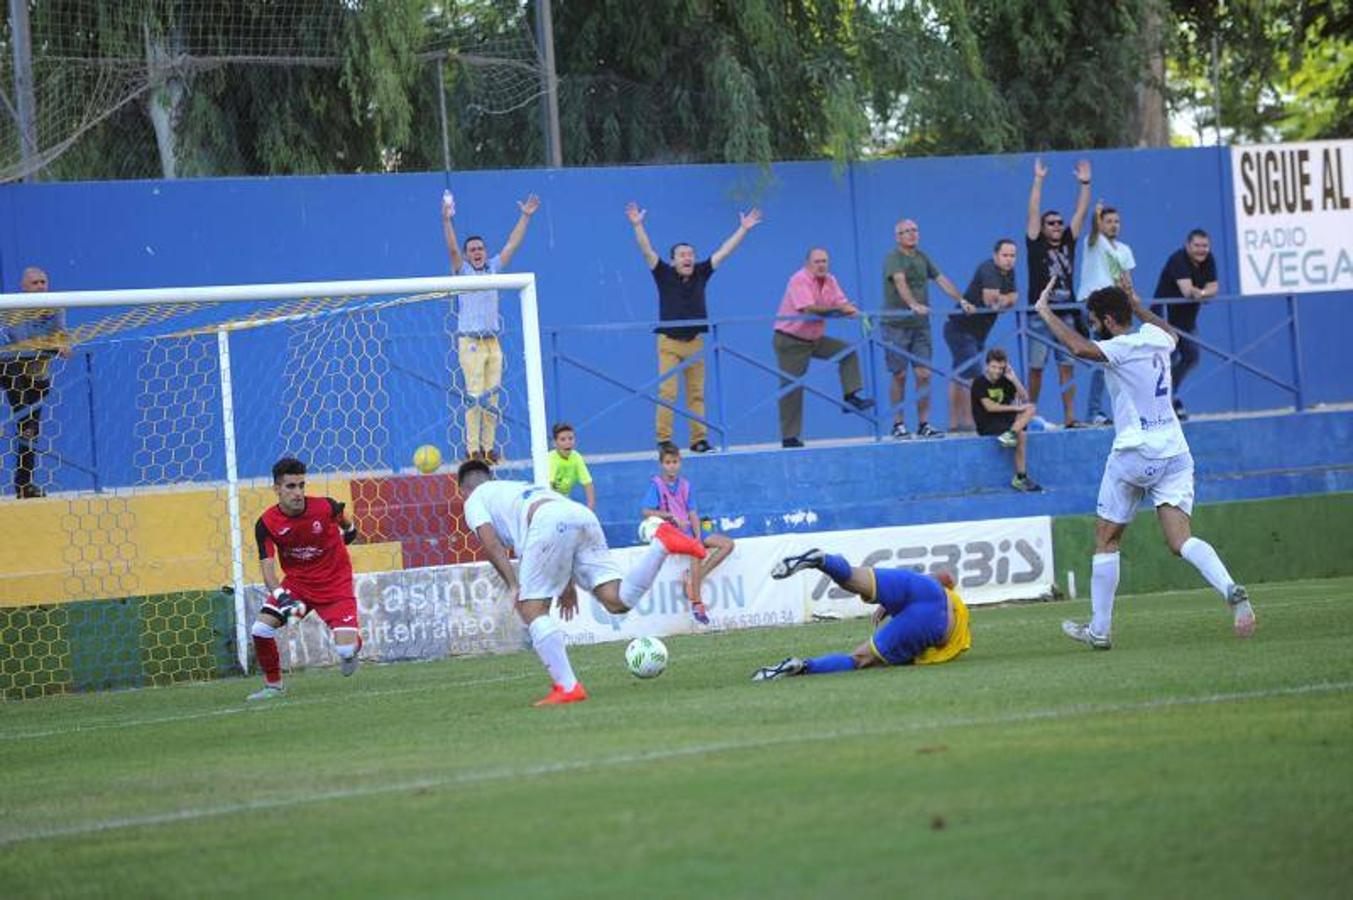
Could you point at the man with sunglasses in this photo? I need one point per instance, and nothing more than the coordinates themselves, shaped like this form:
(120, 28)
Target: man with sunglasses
(1050, 245)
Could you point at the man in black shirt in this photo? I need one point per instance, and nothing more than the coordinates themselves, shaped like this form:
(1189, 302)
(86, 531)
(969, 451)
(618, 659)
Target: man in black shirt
(1000, 408)
(991, 290)
(1050, 245)
(1189, 273)
(681, 295)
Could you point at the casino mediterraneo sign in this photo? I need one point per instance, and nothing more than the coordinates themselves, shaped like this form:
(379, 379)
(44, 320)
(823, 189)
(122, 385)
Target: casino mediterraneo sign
(1294, 216)
(440, 611)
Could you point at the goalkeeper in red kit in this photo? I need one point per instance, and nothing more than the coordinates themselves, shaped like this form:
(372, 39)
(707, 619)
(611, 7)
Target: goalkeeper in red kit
(309, 536)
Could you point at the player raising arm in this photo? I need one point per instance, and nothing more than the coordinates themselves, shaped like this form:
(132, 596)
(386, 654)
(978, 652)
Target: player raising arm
(1149, 456)
(310, 536)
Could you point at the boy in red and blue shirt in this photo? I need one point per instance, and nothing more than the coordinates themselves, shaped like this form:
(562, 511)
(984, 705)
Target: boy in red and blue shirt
(671, 499)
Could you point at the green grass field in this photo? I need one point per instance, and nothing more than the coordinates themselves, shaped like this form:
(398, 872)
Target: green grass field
(1181, 763)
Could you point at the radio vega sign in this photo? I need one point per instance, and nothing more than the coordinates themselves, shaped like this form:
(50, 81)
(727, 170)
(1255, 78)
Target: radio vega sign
(1294, 216)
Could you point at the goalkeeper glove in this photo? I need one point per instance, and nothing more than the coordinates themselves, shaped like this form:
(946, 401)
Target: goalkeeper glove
(284, 606)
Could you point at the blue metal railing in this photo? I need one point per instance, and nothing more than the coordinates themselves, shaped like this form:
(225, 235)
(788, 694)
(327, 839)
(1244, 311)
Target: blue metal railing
(719, 353)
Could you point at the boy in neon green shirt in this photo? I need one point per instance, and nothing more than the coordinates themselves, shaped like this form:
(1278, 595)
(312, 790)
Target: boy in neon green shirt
(567, 467)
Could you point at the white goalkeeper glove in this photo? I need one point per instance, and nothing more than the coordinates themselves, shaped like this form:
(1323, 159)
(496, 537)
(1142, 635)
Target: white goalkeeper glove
(286, 607)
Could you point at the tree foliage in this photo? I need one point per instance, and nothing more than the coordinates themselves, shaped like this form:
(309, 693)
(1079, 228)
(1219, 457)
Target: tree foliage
(330, 93)
(311, 86)
(1283, 70)
(1066, 72)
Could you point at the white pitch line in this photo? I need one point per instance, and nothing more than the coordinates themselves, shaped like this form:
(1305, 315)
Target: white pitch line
(623, 759)
(707, 653)
(290, 702)
(254, 710)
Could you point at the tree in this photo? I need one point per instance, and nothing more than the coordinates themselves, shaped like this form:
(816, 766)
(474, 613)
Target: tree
(222, 87)
(140, 88)
(1068, 72)
(1283, 71)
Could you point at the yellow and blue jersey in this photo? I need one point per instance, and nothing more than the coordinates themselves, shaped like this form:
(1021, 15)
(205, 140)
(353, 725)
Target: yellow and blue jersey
(927, 623)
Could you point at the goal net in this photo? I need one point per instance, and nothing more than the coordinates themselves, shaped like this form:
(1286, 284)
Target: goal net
(145, 88)
(138, 443)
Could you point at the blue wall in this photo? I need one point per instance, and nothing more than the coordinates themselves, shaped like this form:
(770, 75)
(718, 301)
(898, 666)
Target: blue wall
(147, 234)
(966, 479)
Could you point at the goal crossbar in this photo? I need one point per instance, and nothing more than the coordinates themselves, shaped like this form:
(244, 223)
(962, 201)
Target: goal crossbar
(291, 290)
(523, 282)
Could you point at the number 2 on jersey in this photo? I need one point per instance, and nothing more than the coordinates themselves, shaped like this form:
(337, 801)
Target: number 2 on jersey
(1162, 389)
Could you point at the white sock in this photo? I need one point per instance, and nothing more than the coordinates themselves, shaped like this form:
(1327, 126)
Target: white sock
(346, 651)
(549, 645)
(641, 576)
(1208, 564)
(1103, 585)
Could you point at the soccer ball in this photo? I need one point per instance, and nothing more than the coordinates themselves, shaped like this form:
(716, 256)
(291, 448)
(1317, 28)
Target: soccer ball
(646, 657)
(648, 528)
(427, 458)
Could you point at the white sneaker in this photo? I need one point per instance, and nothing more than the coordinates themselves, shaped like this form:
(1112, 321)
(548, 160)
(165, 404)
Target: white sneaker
(809, 559)
(1239, 599)
(783, 669)
(1007, 439)
(268, 692)
(1083, 634)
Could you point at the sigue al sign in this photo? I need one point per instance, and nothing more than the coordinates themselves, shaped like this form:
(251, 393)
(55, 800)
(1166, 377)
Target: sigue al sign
(1294, 216)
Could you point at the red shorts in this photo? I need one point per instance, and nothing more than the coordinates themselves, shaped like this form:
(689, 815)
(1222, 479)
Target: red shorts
(338, 612)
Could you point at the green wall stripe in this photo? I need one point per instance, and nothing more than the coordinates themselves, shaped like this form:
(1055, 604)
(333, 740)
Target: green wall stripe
(1259, 540)
(104, 644)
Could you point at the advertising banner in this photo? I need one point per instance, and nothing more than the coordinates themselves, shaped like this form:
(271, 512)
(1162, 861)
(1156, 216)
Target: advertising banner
(1294, 216)
(459, 611)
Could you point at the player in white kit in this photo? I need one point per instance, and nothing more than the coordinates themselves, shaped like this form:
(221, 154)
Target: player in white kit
(1150, 457)
(559, 546)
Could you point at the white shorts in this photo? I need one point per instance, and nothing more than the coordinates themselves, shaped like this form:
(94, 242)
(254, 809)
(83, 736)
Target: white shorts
(1129, 476)
(564, 541)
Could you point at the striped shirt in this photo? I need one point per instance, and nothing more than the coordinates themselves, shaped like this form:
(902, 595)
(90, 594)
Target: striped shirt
(479, 309)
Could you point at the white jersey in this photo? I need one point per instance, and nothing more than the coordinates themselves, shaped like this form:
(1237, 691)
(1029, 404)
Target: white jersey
(1138, 375)
(1101, 264)
(504, 504)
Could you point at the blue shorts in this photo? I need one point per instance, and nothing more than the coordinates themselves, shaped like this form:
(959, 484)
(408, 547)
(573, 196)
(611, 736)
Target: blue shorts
(965, 347)
(919, 615)
(1039, 351)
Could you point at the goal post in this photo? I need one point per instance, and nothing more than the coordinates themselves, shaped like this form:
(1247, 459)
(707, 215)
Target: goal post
(162, 413)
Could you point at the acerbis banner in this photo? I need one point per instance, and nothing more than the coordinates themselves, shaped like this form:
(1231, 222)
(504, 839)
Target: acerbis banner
(459, 611)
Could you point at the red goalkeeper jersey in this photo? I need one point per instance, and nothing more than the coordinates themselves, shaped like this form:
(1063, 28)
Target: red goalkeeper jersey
(310, 548)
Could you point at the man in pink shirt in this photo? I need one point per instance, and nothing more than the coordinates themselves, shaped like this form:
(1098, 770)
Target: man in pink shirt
(812, 291)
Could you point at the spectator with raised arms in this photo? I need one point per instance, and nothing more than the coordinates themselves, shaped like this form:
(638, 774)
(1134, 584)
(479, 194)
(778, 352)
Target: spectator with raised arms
(681, 296)
(478, 324)
(1050, 251)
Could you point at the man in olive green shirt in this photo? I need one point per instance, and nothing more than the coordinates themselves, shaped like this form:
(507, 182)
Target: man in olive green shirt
(907, 272)
(567, 467)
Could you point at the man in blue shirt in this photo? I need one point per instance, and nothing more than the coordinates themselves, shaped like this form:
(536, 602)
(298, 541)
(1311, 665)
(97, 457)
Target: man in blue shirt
(29, 338)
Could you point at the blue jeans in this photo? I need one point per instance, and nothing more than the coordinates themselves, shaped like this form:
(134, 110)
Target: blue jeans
(1185, 357)
(1097, 390)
